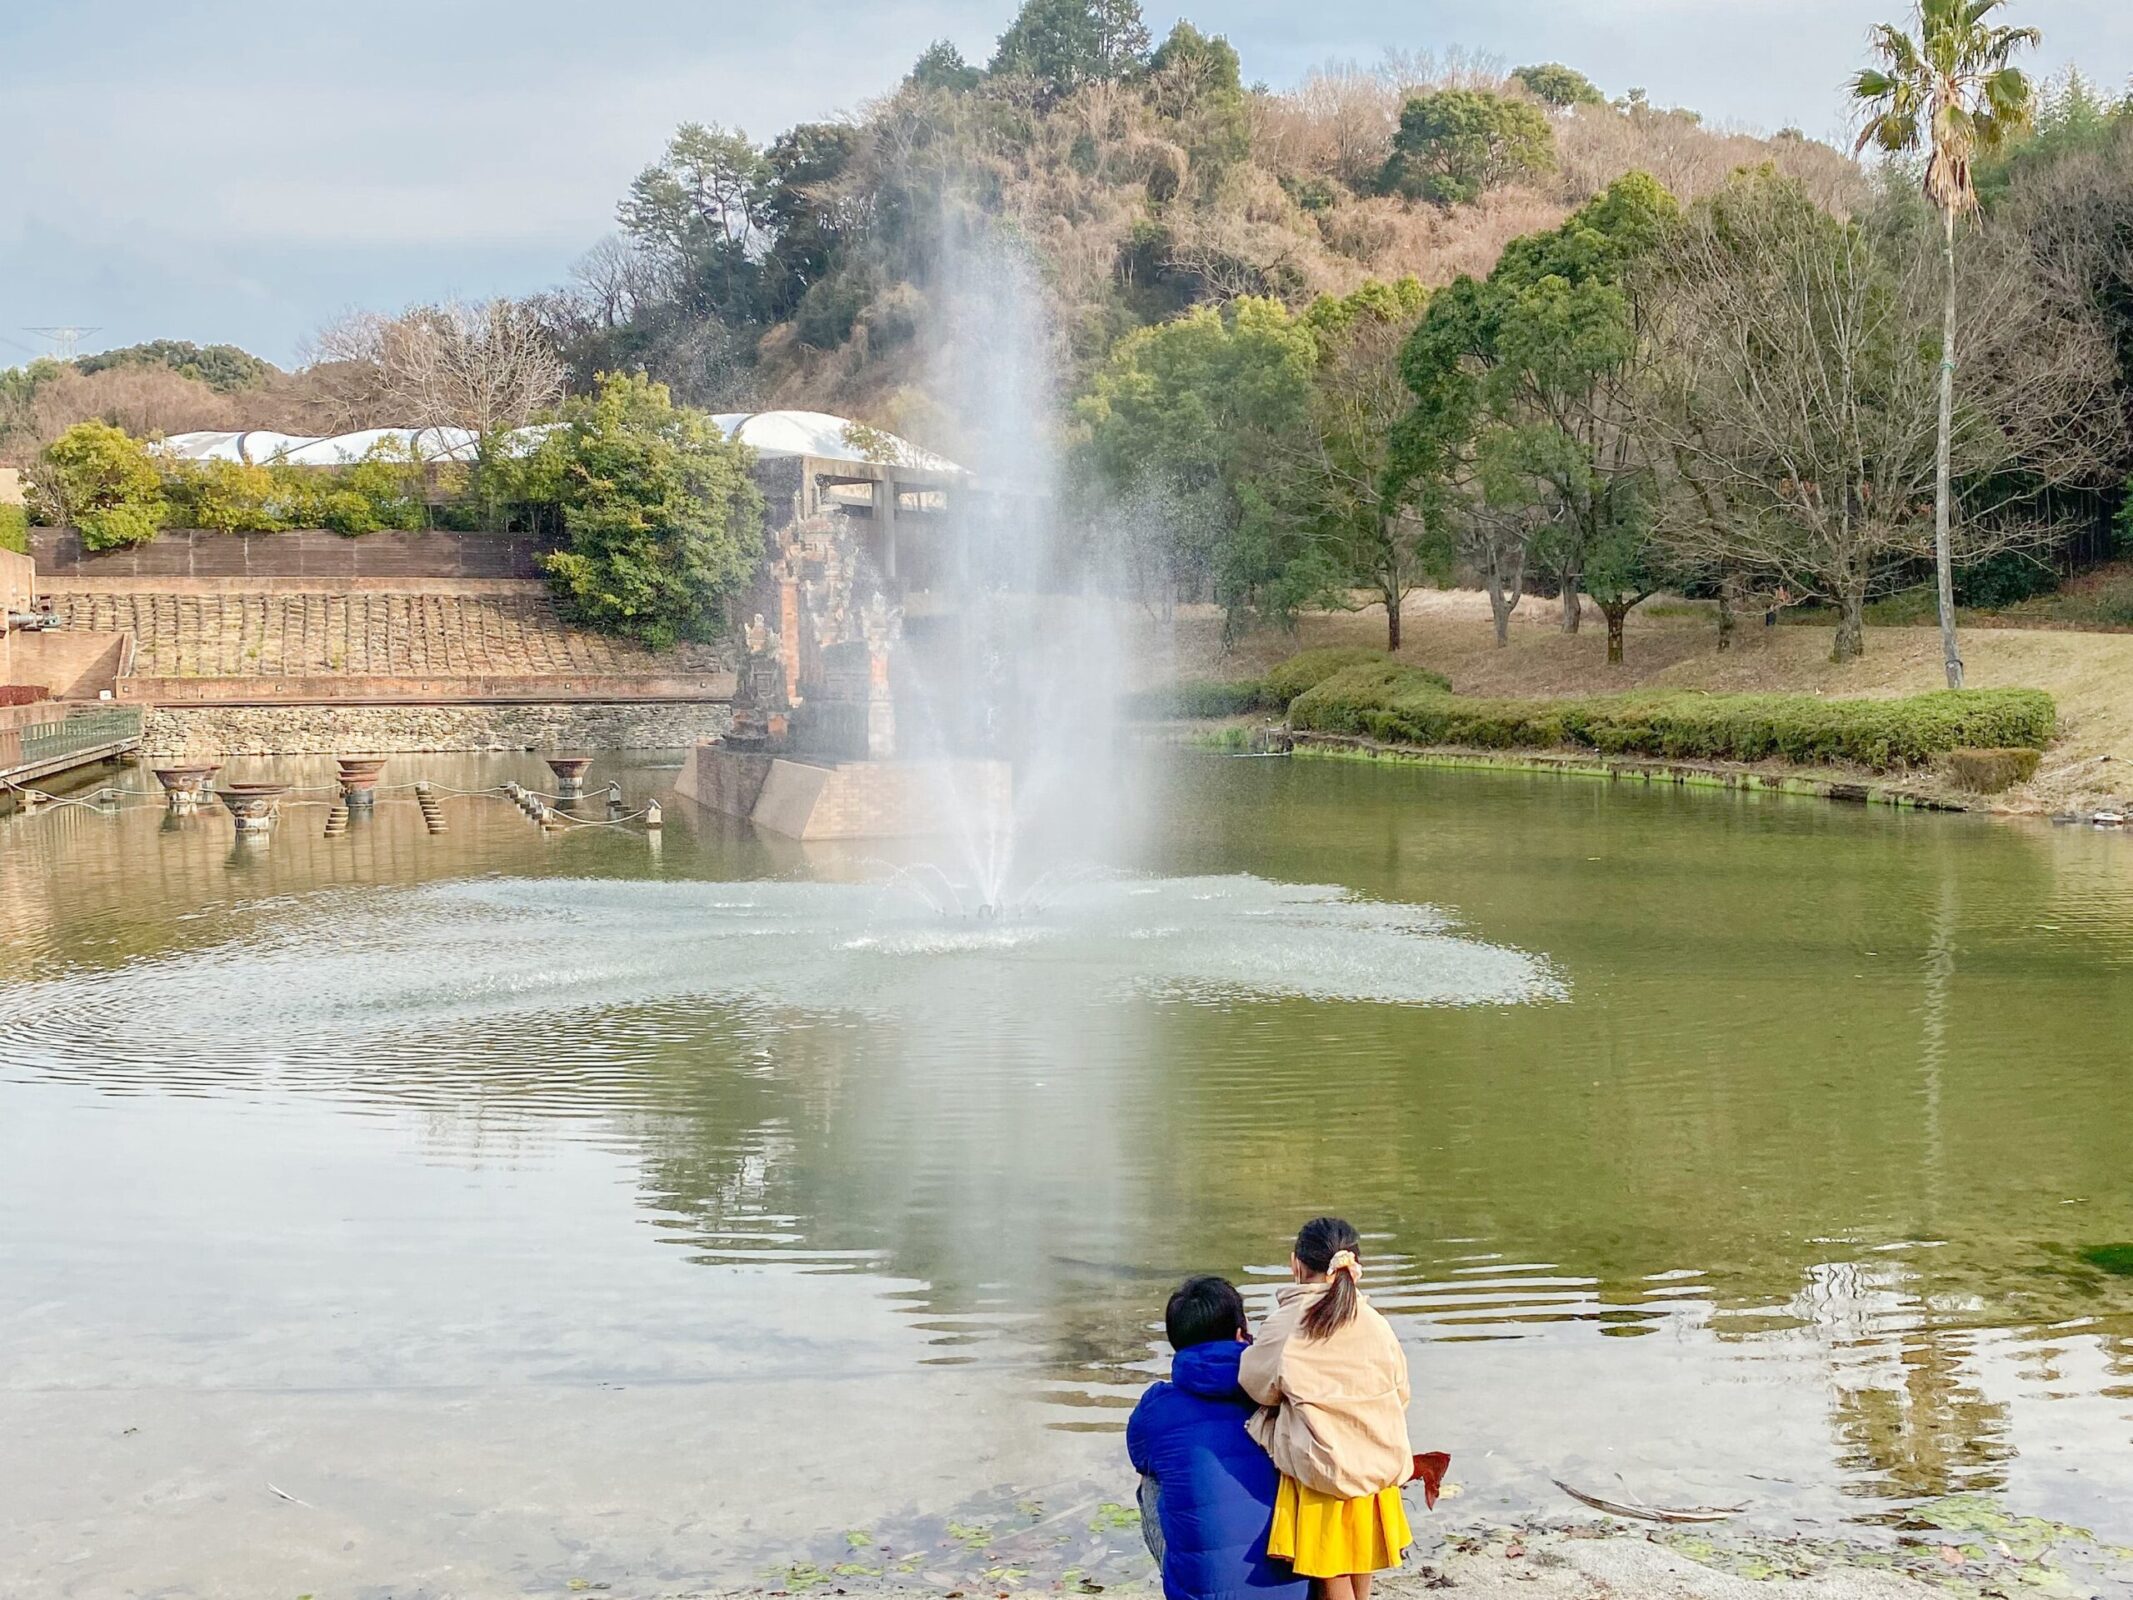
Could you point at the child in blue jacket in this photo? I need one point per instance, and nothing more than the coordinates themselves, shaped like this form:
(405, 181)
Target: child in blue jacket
(1214, 1487)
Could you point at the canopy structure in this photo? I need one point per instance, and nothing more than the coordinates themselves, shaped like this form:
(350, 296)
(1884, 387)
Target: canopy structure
(771, 434)
(775, 434)
(262, 446)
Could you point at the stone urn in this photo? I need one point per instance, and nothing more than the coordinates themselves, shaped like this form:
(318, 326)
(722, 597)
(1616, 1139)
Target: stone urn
(252, 805)
(185, 783)
(569, 774)
(359, 779)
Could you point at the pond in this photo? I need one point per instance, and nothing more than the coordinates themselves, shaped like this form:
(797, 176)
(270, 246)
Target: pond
(495, 1210)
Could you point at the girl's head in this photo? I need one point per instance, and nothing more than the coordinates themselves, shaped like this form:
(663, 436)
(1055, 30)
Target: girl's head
(1328, 1248)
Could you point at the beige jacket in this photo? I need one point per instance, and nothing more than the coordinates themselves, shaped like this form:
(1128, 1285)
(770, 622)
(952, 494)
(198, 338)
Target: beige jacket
(1336, 1408)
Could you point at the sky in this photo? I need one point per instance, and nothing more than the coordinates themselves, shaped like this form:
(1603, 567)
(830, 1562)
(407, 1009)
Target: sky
(217, 171)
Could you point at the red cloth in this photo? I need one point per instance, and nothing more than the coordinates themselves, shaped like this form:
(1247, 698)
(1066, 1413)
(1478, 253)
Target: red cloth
(1429, 1472)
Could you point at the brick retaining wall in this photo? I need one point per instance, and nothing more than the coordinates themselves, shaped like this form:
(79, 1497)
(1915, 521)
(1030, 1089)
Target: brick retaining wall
(297, 553)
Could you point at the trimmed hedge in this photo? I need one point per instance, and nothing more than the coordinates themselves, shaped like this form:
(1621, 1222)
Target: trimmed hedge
(15, 530)
(1235, 697)
(1399, 705)
(1198, 699)
(1990, 771)
(1309, 668)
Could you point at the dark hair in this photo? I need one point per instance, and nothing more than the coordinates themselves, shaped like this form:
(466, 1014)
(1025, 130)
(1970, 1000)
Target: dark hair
(1319, 1241)
(1202, 1311)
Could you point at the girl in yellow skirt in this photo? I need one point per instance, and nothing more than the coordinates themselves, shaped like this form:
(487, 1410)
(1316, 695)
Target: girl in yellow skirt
(1331, 1378)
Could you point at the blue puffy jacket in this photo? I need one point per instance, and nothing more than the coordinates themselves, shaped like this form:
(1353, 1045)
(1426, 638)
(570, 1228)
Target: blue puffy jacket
(1216, 1486)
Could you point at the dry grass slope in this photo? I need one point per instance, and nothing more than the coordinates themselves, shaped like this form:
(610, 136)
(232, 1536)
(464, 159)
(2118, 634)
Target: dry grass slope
(2086, 673)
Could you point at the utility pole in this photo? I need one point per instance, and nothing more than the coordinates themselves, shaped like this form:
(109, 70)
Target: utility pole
(65, 339)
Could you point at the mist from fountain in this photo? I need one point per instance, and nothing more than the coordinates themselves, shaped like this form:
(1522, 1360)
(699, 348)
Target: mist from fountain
(1033, 660)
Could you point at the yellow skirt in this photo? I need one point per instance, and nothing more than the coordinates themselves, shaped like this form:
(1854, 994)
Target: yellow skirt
(1324, 1537)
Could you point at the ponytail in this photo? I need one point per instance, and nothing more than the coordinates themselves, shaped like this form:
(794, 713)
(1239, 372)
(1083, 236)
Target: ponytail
(1330, 1246)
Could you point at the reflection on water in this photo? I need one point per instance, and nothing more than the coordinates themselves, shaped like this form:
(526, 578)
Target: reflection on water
(1746, 1149)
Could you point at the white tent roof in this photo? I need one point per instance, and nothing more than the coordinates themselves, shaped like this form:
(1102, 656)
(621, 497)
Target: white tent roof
(828, 438)
(769, 433)
(260, 446)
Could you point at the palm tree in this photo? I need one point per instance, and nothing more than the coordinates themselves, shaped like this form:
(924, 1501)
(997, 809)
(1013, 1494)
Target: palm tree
(1950, 92)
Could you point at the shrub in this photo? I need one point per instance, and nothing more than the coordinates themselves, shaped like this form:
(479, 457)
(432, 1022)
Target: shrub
(1990, 771)
(345, 511)
(229, 496)
(2003, 580)
(102, 481)
(1309, 668)
(1205, 698)
(665, 522)
(1400, 705)
(394, 483)
(116, 527)
(15, 530)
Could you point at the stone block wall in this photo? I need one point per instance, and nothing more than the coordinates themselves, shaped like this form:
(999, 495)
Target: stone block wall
(392, 730)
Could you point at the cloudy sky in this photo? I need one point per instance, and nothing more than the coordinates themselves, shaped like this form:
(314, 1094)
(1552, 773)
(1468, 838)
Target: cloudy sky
(212, 170)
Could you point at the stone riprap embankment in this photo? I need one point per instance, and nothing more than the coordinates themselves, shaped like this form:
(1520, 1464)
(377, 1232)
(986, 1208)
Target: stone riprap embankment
(391, 730)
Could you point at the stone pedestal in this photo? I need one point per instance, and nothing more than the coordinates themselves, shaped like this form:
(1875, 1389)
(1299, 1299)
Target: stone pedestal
(185, 783)
(252, 805)
(359, 780)
(569, 775)
(803, 799)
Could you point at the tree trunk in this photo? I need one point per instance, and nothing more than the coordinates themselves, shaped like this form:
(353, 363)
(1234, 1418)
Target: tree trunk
(1499, 609)
(1728, 609)
(1617, 615)
(1851, 623)
(1943, 511)
(1392, 620)
(1573, 601)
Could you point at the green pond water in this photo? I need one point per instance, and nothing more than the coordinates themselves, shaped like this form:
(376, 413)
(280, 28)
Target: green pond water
(399, 1214)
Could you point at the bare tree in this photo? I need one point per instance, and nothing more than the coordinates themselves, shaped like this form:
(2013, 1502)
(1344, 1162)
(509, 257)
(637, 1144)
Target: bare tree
(483, 366)
(1798, 402)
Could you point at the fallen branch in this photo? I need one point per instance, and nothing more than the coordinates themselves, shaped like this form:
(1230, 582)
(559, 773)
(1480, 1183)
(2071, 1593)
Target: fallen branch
(1615, 1508)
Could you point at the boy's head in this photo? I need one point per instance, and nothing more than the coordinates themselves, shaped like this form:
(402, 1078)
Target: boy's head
(1202, 1311)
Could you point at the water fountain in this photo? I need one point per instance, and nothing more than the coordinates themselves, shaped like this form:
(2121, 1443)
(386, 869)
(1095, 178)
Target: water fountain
(815, 751)
(939, 662)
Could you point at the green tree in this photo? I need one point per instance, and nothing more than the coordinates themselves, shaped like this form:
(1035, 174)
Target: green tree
(700, 213)
(1554, 84)
(1624, 566)
(222, 367)
(1550, 350)
(1195, 82)
(1188, 66)
(942, 69)
(1188, 418)
(1454, 145)
(1343, 477)
(1951, 92)
(102, 482)
(803, 206)
(1065, 44)
(664, 520)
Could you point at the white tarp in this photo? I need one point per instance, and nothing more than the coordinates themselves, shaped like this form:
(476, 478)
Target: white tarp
(768, 433)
